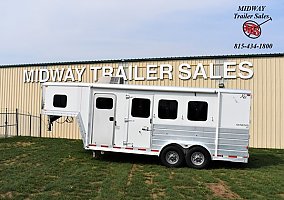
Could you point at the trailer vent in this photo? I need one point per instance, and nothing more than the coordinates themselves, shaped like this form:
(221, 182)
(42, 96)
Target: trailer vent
(111, 80)
(116, 80)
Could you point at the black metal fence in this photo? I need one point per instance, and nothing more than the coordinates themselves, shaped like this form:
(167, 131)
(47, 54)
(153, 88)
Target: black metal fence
(15, 123)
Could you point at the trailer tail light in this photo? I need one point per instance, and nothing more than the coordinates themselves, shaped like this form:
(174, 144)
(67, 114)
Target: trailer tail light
(233, 156)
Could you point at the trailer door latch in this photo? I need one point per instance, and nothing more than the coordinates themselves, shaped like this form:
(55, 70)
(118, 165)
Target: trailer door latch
(145, 128)
(128, 96)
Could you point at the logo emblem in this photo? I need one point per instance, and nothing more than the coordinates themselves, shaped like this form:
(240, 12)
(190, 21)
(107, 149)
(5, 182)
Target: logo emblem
(252, 29)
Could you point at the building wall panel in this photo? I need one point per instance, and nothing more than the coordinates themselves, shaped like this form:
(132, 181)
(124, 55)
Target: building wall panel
(267, 85)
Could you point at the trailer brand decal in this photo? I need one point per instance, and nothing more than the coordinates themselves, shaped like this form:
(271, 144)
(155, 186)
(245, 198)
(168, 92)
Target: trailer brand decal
(246, 125)
(228, 70)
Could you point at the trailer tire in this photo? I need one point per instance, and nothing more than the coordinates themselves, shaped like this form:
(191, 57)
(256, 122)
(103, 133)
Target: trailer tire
(172, 156)
(96, 154)
(197, 157)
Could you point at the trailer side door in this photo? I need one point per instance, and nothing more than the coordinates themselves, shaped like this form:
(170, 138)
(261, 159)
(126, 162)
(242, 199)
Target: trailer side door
(103, 119)
(140, 121)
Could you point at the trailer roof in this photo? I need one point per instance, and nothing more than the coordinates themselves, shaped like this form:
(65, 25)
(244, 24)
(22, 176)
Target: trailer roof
(148, 87)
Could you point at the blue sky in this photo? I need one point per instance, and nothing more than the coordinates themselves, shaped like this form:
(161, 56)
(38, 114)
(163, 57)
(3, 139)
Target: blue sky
(36, 31)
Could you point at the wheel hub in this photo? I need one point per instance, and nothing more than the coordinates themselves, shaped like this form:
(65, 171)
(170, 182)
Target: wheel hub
(197, 158)
(172, 157)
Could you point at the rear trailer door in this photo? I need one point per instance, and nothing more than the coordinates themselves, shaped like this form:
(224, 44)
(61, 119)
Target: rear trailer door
(233, 137)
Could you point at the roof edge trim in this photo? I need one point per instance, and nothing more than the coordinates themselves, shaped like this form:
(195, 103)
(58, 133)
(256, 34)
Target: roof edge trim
(143, 59)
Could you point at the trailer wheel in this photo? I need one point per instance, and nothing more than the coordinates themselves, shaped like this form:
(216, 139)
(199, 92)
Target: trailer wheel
(198, 158)
(172, 156)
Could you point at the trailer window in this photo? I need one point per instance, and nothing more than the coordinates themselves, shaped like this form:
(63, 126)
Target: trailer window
(60, 101)
(197, 111)
(140, 108)
(104, 103)
(167, 109)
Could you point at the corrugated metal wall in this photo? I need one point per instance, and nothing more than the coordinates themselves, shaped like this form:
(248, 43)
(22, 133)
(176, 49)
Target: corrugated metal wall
(267, 116)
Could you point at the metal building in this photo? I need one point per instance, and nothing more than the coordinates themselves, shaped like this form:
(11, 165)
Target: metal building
(20, 89)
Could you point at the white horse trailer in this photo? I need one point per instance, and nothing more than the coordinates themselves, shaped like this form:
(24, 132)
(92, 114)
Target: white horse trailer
(175, 123)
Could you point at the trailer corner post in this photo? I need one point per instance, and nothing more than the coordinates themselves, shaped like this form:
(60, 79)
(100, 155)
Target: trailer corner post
(81, 128)
(217, 124)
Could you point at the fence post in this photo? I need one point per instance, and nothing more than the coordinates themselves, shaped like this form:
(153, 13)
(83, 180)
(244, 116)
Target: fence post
(39, 125)
(17, 121)
(6, 123)
(30, 125)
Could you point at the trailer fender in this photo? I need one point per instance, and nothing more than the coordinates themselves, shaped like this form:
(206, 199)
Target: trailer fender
(199, 145)
(172, 144)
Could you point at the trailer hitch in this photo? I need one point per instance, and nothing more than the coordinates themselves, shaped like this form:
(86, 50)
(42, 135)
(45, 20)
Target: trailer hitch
(51, 119)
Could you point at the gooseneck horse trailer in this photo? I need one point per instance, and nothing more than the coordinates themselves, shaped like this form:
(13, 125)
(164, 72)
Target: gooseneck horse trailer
(197, 125)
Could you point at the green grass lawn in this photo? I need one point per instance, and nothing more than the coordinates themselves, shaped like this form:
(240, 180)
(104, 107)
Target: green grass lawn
(38, 168)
